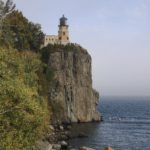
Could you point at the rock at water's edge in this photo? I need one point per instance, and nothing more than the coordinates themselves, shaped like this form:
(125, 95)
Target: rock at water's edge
(44, 145)
(86, 148)
(109, 148)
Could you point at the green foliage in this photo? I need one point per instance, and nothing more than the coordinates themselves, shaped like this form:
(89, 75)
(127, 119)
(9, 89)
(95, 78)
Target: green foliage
(6, 8)
(45, 51)
(21, 34)
(24, 114)
(50, 48)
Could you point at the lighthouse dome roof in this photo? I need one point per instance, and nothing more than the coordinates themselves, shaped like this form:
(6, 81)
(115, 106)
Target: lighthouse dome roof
(63, 21)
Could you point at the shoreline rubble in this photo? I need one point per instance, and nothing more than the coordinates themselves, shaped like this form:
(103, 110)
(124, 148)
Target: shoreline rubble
(57, 139)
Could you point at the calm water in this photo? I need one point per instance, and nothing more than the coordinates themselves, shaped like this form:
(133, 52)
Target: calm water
(126, 125)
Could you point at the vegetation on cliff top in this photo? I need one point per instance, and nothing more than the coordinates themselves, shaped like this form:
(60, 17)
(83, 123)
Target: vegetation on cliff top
(50, 48)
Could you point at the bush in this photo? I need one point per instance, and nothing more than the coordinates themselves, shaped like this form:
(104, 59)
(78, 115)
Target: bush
(24, 114)
(50, 48)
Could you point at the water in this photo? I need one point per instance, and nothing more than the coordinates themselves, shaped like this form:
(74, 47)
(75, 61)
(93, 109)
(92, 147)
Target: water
(126, 125)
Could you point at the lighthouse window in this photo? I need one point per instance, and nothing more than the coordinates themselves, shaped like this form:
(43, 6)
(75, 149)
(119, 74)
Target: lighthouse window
(59, 38)
(63, 33)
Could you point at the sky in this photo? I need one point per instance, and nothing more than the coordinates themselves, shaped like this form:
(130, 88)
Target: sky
(116, 33)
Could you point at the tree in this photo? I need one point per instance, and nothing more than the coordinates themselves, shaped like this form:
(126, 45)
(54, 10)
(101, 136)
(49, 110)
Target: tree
(20, 33)
(5, 9)
(36, 36)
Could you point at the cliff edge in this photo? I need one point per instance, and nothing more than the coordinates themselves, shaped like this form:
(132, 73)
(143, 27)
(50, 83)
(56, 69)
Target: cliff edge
(71, 94)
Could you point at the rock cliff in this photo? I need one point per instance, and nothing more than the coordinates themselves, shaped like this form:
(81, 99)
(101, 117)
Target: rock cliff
(71, 93)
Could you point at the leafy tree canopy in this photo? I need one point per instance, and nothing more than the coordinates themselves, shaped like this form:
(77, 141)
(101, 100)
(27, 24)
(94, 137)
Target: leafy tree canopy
(6, 8)
(20, 33)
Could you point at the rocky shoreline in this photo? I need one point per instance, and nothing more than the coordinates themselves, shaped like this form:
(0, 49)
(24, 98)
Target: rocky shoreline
(58, 136)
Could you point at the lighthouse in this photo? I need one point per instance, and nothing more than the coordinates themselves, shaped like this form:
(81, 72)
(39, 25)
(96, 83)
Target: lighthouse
(63, 34)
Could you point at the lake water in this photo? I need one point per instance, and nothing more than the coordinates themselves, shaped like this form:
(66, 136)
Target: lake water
(126, 125)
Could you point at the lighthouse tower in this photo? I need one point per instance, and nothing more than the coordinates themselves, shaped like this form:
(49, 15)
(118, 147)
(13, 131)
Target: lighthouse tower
(63, 33)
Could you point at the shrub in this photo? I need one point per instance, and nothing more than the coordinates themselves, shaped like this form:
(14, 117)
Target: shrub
(24, 114)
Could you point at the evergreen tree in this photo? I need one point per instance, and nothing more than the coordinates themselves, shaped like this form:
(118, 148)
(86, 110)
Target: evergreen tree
(20, 33)
(6, 8)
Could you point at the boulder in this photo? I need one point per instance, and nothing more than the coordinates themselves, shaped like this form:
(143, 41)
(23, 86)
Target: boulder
(56, 146)
(86, 148)
(61, 128)
(62, 137)
(51, 128)
(82, 135)
(44, 145)
(64, 145)
(109, 148)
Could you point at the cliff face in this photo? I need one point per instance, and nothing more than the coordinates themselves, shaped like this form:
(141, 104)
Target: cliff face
(71, 93)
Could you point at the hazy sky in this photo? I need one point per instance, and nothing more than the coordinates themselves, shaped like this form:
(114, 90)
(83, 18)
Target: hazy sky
(115, 32)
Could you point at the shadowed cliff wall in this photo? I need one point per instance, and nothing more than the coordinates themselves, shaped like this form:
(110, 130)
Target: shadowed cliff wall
(71, 93)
